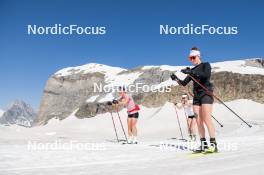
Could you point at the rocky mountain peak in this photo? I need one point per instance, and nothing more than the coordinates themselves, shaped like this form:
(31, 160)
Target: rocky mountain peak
(19, 113)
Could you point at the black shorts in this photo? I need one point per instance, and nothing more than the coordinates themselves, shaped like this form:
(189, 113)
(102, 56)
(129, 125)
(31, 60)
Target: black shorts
(135, 115)
(191, 116)
(202, 99)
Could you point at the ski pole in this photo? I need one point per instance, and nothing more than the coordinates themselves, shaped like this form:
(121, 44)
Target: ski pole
(114, 126)
(217, 121)
(211, 114)
(212, 94)
(193, 96)
(178, 122)
(121, 125)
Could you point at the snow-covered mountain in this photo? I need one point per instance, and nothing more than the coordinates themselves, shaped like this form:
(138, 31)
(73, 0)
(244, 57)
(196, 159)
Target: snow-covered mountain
(72, 89)
(19, 113)
(1, 112)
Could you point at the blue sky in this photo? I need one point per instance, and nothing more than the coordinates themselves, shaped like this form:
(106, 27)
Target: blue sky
(132, 37)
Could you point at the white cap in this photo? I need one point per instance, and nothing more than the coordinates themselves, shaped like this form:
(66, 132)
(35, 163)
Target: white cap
(194, 53)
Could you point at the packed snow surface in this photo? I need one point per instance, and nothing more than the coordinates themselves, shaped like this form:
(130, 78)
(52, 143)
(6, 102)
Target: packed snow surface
(156, 126)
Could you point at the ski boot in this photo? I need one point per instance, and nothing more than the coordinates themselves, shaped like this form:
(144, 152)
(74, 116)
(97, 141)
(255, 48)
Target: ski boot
(193, 138)
(212, 148)
(202, 148)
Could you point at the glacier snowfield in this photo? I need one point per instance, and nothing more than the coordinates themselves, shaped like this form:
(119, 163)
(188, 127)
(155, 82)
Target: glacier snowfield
(156, 126)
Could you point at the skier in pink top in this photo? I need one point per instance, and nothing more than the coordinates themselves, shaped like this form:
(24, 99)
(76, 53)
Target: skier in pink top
(132, 111)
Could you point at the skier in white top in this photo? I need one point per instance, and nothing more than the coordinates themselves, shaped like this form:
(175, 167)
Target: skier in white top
(187, 105)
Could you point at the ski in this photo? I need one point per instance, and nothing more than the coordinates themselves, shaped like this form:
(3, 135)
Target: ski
(179, 139)
(170, 146)
(126, 143)
(203, 154)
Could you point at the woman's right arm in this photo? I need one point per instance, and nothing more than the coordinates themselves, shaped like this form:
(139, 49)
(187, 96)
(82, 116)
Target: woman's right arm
(124, 100)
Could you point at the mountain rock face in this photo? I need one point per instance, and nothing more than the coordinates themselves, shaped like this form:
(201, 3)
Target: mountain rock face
(18, 113)
(72, 90)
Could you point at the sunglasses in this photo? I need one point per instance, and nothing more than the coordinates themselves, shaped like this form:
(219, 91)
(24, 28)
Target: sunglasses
(191, 58)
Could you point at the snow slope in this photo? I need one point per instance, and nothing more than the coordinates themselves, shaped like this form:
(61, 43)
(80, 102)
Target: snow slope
(235, 66)
(90, 68)
(238, 66)
(155, 125)
(112, 74)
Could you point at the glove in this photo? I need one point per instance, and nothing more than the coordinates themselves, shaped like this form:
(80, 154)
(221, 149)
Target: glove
(115, 102)
(109, 103)
(187, 70)
(174, 77)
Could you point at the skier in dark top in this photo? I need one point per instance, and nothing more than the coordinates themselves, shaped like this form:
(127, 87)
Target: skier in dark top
(202, 100)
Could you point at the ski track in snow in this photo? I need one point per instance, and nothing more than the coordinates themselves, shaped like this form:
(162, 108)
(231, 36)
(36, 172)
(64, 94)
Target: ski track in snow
(145, 158)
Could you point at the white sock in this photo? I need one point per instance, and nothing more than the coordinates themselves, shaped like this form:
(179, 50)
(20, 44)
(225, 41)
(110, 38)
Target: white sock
(134, 139)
